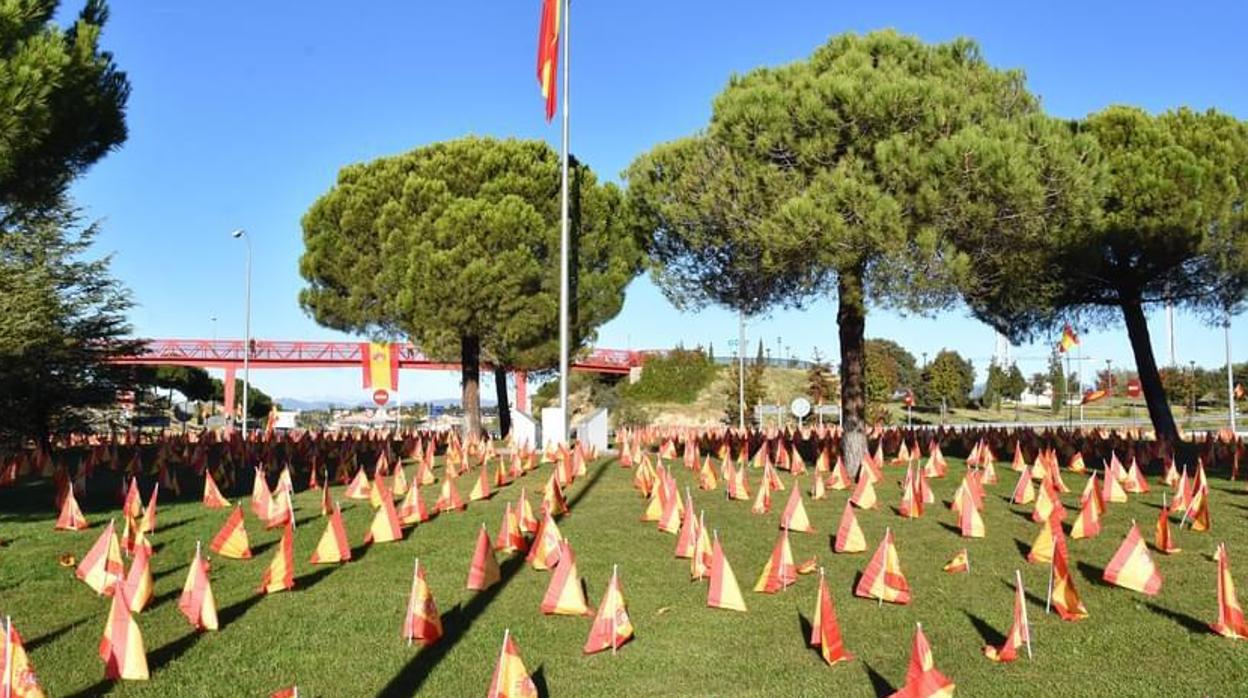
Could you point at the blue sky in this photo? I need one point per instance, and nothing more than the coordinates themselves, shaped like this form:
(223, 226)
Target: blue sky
(243, 112)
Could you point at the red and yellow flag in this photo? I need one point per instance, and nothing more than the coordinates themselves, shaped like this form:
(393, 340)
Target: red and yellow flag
(1069, 339)
(139, 581)
(1020, 629)
(883, 578)
(1062, 591)
(231, 540)
(17, 674)
(333, 546)
(121, 647)
(780, 572)
(422, 623)
(548, 53)
(723, 591)
(612, 627)
(483, 573)
(212, 495)
(849, 536)
(1230, 622)
(961, 562)
(381, 365)
(825, 632)
(564, 595)
(280, 574)
(102, 567)
(511, 679)
(196, 601)
(1132, 567)
(71, 518)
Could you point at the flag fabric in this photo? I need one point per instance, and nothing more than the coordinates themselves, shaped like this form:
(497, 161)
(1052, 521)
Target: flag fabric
(1069, 339)
(564, 594)
(1094, 395)
(961, 562)
(483, 572)
(70, 517)
(548, 54)
(849, 536)
(280, 574)
(212, 496)
(1132, 567)
(883, 578)
(231, 540)
(139, 580)
(544, 553)
(196, 601)
(1230, 622)
(1020, 629)
(1162, 539)
(101, 568)
(612, 627)
(825, 631)
(381, 365)
(133, 505)
(794, 517)
(920, 656)
(929, 684)
(780, 572)
(421, 623)
(121, 646)
(1062, 593)
(386, 527)
(333, 546)
(511, 679)
(17, 674)
(723, 590)
(360, 487)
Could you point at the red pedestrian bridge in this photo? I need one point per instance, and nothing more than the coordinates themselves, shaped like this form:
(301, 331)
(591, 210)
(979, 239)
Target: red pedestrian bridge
(228, 354)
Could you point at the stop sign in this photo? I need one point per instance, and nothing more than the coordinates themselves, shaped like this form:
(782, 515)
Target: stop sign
(1133, 387)
(381, 397)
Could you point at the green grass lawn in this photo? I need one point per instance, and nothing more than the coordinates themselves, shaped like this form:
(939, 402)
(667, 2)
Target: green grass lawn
(338, 633)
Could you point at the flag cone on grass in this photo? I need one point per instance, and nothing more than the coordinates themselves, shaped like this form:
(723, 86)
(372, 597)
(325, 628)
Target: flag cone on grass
(421, 623)
(148, 523)
(780, 572)
(544, 553)
(280, 574)
(481, 489)
(17, 674)
(101, 568)
(723, 591)
(261, 497)
(386, 527)
(685, 537)
(883, 578)
(133, 505)
(212, 496)
(794, 517)
(1162, 539)
(510, 538)
(1088, 523)
(511, 679)
(413, 509)
(1042, 547)
(197, 602)
(1230, 622)
(1132, 567)
(923, 679)
(333, 546)
(849, 537)
(448, 497)
(970, 523)
(863, 495)
(961, 562)
(139, 581)
(483, 573)
(359, 487)
(1024, 491)
(231, 540)
(825, 632)
(612, 627)
(564, 594)
(700, 560)
(1020, 630)
(528, 522)
(1062, 593)
(71, 518)
(121, 647)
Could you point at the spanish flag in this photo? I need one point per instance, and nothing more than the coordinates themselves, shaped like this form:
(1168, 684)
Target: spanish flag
(511, 679)
(1069, 339)
(381, 365)
(17, 674)
(548, 53)
(1094, 395)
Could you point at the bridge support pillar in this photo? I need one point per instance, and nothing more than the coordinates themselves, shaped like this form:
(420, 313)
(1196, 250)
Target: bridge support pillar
(229, 391)
(522, 391)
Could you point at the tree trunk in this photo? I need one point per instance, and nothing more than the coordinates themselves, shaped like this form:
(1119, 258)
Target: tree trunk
(504, 407)
(851, 324)
(1150, 379)
(470, 383)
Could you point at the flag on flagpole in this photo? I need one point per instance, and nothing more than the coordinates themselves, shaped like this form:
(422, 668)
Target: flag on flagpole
(381, 365)
(548, 54)
(1069, 339)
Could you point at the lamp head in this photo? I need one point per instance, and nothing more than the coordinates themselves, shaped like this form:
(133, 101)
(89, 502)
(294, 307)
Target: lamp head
(238, 233)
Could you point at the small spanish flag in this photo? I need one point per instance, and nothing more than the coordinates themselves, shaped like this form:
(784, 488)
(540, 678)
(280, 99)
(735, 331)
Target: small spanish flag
(960, 562)
(548, 54)
(1069, 339)
(1094, 395)
(381, 365)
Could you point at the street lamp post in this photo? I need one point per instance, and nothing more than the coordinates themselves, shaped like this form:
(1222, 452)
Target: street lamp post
(242, 234)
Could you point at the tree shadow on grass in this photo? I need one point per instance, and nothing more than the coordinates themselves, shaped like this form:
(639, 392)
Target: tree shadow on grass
(35, 643)
(879, 684)
(989, 634)
(457, 621)
(1190, 623)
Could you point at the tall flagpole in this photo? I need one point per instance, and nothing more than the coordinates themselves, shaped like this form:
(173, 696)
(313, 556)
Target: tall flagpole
(563, 242)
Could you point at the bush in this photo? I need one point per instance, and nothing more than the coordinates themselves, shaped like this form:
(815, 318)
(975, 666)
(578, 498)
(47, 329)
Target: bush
(677, 376)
